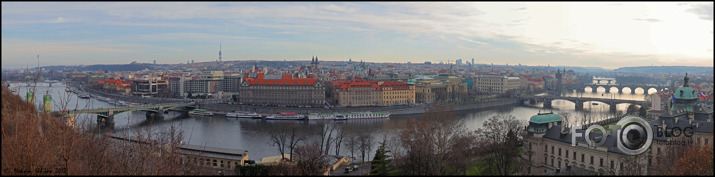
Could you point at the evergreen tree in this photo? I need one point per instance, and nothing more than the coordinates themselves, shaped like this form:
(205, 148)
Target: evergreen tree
(381, 162)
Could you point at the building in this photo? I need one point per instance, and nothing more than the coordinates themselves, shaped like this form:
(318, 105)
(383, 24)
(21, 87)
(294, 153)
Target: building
(258, 88)
(357, 92)
(439, 88)
(496, 84)
(213, 157)
(548, 143)
(397, 93)
(149, 86)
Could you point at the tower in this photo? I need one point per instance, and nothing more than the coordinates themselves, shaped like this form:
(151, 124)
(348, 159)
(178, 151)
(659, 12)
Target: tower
(219, 52)
(558, 80)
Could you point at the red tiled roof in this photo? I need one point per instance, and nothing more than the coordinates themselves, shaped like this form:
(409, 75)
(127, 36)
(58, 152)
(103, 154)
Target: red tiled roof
(285, 80)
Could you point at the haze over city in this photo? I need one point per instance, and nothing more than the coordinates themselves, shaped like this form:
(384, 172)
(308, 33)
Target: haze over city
(598, 34)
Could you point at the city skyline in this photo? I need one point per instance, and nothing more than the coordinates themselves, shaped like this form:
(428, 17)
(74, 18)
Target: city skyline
(607, 35)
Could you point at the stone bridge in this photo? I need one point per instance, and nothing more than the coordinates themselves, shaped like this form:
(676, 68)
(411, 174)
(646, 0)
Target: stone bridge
(582, 87)
(579, 101)
(105, 116)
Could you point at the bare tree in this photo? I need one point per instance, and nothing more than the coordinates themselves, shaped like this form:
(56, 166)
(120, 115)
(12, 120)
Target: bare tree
(310, 160)
(365, 143)
(279, 138)
(437, 145)
(339, 136)
(501, 136)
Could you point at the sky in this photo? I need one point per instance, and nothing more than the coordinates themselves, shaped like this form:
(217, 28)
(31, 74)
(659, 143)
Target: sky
(590, 34)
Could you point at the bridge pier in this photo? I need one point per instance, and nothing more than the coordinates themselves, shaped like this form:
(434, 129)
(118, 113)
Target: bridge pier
(633, 91)
(594, 90)
(608, 90)
(105, 121)
(612, 107)
(547, 104)
(579, 105)
(620, 90)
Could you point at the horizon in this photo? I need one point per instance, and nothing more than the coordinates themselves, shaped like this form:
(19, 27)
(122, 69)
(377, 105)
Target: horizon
(577, 34)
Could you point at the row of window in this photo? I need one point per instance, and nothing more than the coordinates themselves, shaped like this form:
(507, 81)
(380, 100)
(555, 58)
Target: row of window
(211, 162)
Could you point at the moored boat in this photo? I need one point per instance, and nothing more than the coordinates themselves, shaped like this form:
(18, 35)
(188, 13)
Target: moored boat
(243, 115)
(347, 116)
(286, 116)
(201, 112)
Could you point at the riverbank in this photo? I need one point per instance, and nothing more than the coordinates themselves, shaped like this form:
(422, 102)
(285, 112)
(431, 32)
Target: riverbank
(394, 110)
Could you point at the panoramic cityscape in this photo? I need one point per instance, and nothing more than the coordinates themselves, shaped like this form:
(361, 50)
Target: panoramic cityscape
(357, 88)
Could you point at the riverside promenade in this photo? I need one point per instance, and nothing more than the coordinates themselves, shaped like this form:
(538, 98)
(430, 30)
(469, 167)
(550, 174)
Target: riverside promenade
(394, 110)
(221, 108)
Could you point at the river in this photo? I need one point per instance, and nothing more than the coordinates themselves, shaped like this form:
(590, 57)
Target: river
(252, 135)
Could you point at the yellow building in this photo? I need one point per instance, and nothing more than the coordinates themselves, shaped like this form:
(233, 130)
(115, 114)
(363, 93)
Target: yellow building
(360, 92)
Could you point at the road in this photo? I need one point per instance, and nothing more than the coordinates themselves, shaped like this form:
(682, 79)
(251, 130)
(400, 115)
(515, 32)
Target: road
(362, 170)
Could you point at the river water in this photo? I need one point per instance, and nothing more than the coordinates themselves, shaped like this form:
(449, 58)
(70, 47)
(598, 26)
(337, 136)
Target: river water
(252, 134)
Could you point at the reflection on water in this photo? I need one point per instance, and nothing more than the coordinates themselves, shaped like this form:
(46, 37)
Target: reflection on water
(252, 135)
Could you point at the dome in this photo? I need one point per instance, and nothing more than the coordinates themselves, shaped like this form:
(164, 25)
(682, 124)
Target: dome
(543, 118)
(686, 92)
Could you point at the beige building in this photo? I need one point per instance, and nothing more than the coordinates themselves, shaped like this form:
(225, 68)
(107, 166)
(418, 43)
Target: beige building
(360, 92)
(439, 88)
(258, 88)
(496, 84)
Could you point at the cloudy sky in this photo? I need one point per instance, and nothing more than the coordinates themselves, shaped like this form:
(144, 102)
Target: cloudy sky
(608, 34)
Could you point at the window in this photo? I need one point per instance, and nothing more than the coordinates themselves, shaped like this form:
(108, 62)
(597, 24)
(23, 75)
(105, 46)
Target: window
(650, 161)
(221, 163)
(567, 153)
(574, 155)
(591, 160)
(559, 164)
(582, 157)
(545, 159)
(601, 162)
(552, 162)
(559, 151)
(552, 150)
(611, 164)
(214, 163)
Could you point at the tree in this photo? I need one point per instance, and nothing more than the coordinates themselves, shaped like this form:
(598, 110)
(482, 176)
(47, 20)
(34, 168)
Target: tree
(286, 137)
(501, 139)
(189, 95)
(339, 136)
(438, 144)
(696, 160)
(310, 160)
(381, 163)
(642, 112)
(365, 144)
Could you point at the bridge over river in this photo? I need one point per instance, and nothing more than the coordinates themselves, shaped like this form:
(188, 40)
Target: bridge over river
(105, 116)
(579, 101)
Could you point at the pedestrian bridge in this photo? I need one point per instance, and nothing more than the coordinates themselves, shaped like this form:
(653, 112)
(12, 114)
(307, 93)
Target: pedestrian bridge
(105, 116)
(582, 88)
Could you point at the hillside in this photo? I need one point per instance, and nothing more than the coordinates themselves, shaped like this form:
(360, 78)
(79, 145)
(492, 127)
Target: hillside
(667, 69)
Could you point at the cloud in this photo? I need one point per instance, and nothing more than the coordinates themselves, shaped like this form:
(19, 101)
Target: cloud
(59, 20)
(651, 20)
(703, 11)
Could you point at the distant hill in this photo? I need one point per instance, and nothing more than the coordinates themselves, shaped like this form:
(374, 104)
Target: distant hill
(667, 69)
(119, 67)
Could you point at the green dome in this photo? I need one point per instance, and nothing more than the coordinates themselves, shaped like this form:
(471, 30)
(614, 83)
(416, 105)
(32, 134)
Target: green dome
(543, 118)
(686, 92)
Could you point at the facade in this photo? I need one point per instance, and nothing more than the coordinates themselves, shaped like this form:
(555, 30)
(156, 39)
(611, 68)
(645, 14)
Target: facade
(360, 92)
(258, 88)
(212, 157)
(439, 88)
(397, 93)
(496, 84)
(149, 86)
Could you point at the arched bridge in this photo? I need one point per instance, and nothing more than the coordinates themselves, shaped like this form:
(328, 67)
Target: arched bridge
(594, 87)
(105, 116)
(580, 100)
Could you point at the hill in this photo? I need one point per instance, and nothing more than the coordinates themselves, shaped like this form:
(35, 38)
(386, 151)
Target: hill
(667, 69)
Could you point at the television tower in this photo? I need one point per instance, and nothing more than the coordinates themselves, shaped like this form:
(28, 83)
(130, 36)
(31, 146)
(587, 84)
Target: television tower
(219, 52)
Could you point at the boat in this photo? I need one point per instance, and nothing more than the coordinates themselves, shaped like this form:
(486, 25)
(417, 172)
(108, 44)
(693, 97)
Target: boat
(83, 95)
(346, 116)
(243, 115)
(286, 116)
(201, 112)
(367, 115)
